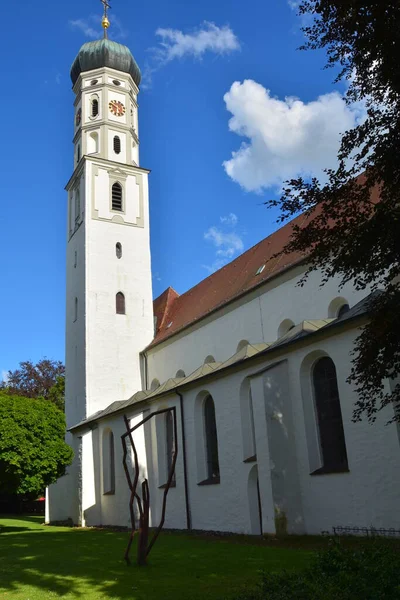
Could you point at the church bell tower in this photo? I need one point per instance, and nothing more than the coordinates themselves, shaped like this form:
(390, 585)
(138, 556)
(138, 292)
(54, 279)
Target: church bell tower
(109, 313)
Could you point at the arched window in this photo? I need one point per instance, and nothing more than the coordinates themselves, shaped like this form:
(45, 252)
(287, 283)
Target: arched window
(329, 414)
(170, 442)
(180, 374)
(343, 310)
(247, 418)
(210, 427)
(116, 196)
(120, 303)
(77, 205)
(93, 143)
(117, 144)
(118, 249)
(108, 463)
(95, 107)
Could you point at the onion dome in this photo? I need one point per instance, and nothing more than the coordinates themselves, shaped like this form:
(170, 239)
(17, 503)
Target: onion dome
(105, 53)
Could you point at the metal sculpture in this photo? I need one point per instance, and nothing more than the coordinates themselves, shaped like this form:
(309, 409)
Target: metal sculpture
(143, 503)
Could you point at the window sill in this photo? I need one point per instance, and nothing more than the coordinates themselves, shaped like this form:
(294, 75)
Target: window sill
(110, 493)
(210, 481)
(330, 470)
(164, 485)
(251, 459)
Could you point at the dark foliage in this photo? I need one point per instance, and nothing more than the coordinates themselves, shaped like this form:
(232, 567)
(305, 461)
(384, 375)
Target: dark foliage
(33, 453)
(339, 573)
(354, 231)
(46, 380)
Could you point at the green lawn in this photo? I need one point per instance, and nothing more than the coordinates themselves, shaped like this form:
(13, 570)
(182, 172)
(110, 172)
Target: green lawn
(41, 563)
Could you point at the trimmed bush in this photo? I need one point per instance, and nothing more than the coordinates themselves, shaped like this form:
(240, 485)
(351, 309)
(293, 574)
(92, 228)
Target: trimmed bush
(369, 572)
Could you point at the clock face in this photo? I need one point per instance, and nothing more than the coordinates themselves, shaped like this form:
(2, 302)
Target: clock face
(116, 108)
(78, 117)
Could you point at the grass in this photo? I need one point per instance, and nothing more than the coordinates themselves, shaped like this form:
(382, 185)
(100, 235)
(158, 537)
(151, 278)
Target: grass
(41, 563)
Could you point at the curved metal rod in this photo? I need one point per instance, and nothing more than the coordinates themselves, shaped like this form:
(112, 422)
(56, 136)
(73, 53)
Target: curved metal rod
(144, 509)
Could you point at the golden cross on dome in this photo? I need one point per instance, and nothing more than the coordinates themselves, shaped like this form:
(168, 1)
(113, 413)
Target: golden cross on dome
(105, 22)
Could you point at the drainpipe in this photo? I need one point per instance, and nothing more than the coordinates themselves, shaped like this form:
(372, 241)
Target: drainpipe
(188, 515)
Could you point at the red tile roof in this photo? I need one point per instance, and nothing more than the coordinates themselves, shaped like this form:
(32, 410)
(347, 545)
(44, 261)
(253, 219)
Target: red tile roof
(174, 312)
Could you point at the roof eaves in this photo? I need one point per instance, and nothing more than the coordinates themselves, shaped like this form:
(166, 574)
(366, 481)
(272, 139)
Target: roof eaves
(354, 314)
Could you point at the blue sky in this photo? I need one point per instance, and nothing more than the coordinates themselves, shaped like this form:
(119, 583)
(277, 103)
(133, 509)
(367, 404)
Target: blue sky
(219, 78)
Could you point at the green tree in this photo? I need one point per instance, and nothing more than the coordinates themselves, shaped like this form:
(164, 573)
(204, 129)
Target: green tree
(353, 230)
(57, 392)
(45, 379)
(33, 453)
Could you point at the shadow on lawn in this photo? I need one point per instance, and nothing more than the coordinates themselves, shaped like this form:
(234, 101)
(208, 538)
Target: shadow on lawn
(89, 564)
(81, 564)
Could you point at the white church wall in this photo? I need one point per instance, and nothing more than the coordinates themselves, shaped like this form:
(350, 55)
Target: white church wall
(75, 404)
(291, 498)
(113, 341)
(255, 318)
(62, 498)
(223, 506)
(368, 494)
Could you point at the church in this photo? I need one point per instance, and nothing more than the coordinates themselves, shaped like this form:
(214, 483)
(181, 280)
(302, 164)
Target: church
(254, 366)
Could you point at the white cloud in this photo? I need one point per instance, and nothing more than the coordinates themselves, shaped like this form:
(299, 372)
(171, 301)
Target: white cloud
(175, 43)
(91, 27)
(4, 376)
(231, 219)
(84, 26)
(227, 244)
(207, 38)
(226, 240)
(286, 137)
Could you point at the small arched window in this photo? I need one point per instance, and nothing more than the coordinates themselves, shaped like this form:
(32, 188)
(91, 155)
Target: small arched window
(242, 344)
(338, 307)
(120, 303)
(116, 196)
(180, 374)
(329, 414)
(118, 250)
(210, 427)
(170, 442)
(285, 327)
(108, 463)
(78, 153)
(209, 359)
(117, 144)
(77, 205)
(343, 310)
(93, 143)
(95, 107)
(154, 385)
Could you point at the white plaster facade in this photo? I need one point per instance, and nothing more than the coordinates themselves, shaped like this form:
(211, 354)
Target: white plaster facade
(266, 419)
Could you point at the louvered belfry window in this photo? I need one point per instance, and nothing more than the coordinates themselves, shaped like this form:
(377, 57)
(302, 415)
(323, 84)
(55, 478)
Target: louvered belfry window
(95, 107)
(329, 413)
(116, 196)
(117, 144)
(120, 303)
